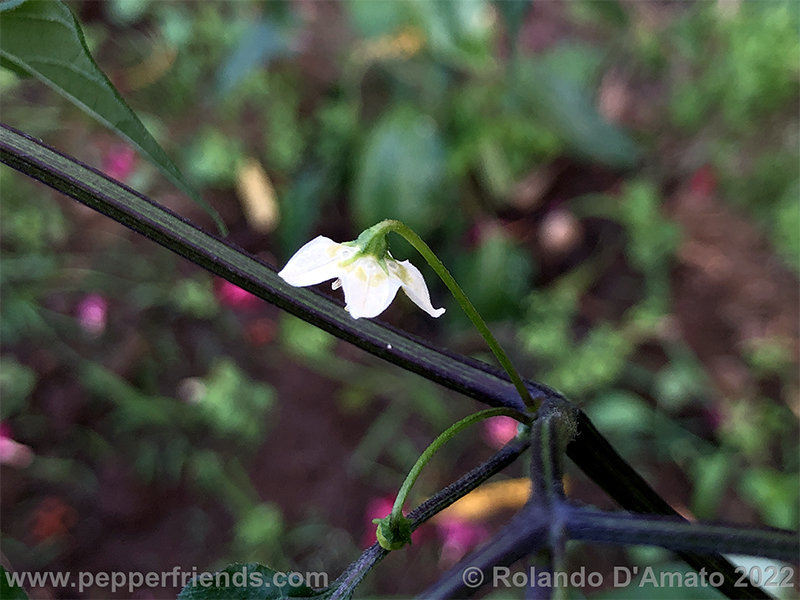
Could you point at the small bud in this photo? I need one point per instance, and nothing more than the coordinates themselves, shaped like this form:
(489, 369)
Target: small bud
(393, 534)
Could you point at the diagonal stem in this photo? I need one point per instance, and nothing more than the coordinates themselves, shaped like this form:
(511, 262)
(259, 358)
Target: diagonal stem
(468, 376)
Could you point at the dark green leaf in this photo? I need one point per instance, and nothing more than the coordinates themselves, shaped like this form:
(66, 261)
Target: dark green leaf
(578, 62)
(400, 172)
(45, 40)
(568, 109)
(19, 72)
(710, 474)
(498, 274)
(9, 589)
(249, 581)
(457, 32)
(373, 19)
(262, 42)
(513, 14)
(608, 11)
(300, 208)
(16, 383)
(774, 494)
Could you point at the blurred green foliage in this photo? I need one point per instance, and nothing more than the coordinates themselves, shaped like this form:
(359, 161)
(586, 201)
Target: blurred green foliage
(744, 61)
(402, 142)
(579, 366)
(44, 276)
(744, 78)
(435, 113)
(16, 383)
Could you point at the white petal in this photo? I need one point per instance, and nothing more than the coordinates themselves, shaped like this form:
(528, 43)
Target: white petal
(414, 285)
(316, 262)
(368, 290)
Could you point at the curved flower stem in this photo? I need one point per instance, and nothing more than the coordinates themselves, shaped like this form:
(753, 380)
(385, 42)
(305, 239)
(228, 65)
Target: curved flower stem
(449, 433)
(437, 265)
(394, 530)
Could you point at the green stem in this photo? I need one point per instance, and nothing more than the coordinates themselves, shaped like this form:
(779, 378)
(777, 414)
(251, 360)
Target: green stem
(394, 530)
(437, 265)
(425, 457)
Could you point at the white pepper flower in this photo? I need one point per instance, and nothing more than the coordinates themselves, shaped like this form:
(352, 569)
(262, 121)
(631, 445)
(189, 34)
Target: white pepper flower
(370, 281)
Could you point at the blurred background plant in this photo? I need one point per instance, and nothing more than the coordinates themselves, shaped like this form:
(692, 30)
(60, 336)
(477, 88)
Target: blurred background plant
(614, 184)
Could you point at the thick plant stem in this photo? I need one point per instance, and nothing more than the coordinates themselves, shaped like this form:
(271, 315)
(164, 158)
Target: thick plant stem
(420, 246)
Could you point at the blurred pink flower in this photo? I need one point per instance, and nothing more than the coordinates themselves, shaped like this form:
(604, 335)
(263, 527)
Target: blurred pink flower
(92, 314)
(119, 162)
(498, 431)
(13, 453)
(233, 296)
(704, 182)
(458, 536)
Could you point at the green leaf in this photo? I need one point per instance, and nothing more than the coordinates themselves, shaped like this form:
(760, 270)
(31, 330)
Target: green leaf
(578, 62)
(710, 474)
(300, 206)
(16, 383)
(261, 43)
(9, 589)
(305, 341)
(372, 19)
(609, 12)
(233, 404)
(774, 494)
(127, 12)
(250, 581)
(498, 273)
(513, 13)
(621, 411)
(45, 40)
(400, 172)
(259, 528)
(566, 107)
(457, 32)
